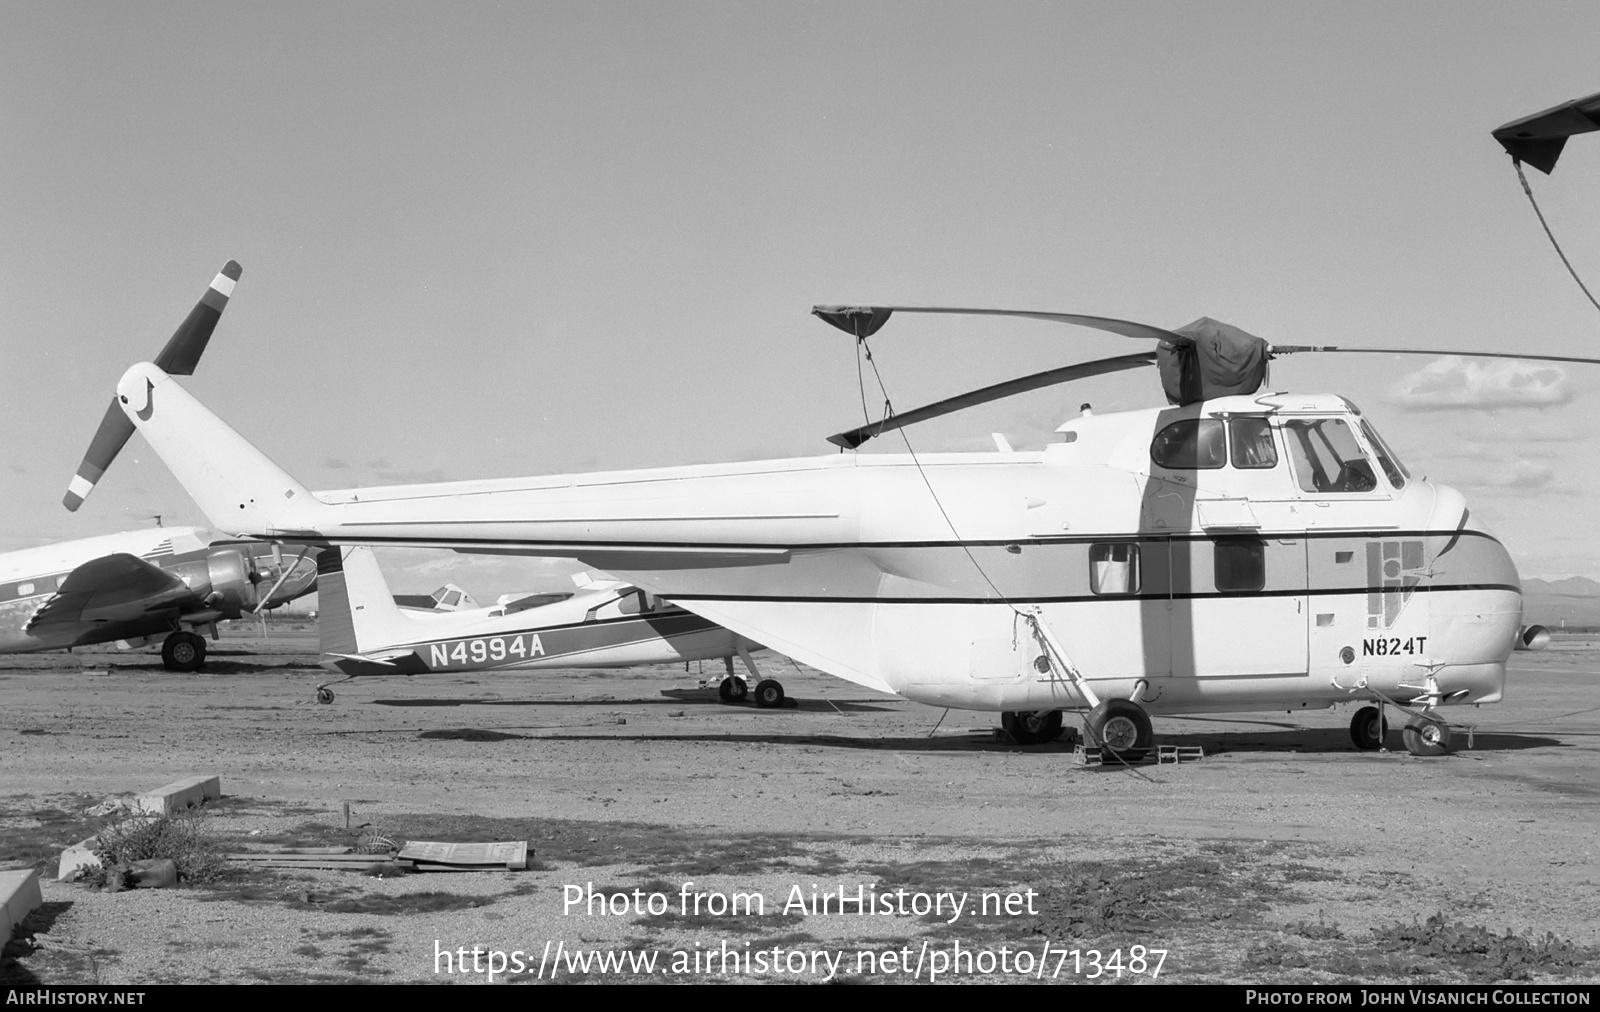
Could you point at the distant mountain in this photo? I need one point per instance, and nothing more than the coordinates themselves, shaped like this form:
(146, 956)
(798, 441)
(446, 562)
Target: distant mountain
(1573, 601)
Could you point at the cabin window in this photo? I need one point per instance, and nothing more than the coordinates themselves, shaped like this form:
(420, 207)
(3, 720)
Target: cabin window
(629, 604)
(451, 599)
(24, 589)
(1114, 569)
(1190, 444)
(1241, 564)
(1251, 441)
(1391, 465)
(1326, 457)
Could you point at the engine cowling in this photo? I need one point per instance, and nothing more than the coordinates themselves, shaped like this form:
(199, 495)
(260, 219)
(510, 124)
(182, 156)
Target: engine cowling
(1532, 637)
(232, 589)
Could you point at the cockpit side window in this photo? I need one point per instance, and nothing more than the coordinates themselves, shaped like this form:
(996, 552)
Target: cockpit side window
(1326, 458)
(1251, 442)
(1190, 444)
(1391, 465)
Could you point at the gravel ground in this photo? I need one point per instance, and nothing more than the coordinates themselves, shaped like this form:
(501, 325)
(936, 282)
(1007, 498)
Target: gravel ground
(1283, 855)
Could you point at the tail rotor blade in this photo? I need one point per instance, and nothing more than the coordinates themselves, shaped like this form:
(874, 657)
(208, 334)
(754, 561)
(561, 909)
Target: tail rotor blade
(179, 358)
(103, 449)
(188, 342)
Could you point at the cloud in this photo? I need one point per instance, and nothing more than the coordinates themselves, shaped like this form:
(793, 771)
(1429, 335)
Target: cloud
(336, 463)
(1456, 383)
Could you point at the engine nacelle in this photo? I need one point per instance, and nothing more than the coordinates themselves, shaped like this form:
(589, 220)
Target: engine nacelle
(1532, 637)
(229, 571)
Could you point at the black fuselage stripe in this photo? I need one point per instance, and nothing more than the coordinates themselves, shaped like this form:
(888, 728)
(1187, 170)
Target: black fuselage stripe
(1082, 598)
(723, 547)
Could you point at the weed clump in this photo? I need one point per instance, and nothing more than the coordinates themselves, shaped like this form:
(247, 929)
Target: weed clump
(1483, 955)
(182, 837)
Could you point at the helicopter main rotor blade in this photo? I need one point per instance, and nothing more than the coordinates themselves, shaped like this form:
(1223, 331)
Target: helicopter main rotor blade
(1291, 349)
(178, 358)
(864, 321)
(1050, 377)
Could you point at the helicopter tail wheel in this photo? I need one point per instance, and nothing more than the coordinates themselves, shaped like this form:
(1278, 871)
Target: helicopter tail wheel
(1367, 728)
(1123, 728)
(183, 651)
(1427, 737)
(769, 694)
(733, 690)
(324, 695)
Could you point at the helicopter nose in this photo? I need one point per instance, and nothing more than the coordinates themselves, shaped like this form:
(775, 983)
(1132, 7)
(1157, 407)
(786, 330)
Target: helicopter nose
(1475, 600)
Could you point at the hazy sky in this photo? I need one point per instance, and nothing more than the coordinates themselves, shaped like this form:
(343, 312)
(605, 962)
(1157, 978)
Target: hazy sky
(498, 239)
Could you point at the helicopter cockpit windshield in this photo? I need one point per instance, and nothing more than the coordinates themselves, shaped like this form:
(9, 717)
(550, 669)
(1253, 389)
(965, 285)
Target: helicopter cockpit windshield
(1392, 468)
(1326, 458)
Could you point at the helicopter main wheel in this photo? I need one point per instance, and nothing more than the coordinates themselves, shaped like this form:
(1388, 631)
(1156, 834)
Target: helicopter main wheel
(1122, 728)
(183, 651)
(733, 690)
(1426, 737)
(769, 694)
(324, 695)
(1368, 728)
(1030, 727)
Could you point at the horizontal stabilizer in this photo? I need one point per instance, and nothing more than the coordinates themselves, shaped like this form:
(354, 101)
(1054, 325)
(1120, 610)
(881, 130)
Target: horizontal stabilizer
(384, 657)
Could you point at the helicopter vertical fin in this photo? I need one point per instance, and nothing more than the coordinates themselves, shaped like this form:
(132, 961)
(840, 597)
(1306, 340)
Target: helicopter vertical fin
(238, 488)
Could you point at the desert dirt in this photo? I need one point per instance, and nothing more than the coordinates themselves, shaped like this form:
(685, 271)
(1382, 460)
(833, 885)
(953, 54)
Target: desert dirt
(1284, 855)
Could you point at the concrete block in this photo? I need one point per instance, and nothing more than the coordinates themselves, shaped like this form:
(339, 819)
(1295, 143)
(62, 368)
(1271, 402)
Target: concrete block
(77, 861)
(19, 896)
(190, 792)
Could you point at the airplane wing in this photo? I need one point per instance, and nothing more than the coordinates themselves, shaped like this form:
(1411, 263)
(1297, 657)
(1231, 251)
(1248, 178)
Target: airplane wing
(112, 588)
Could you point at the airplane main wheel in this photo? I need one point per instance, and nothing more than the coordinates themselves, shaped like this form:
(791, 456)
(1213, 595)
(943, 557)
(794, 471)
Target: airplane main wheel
(769, 694)
(1030, 727)
(183, 651)
(324, 696)
(1426, 737)
(732, 690)
(1122, 728)
(1367, 728)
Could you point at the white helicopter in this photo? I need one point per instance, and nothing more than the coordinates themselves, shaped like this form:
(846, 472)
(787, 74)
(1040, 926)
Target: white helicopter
(606, 624)
(1238, 550)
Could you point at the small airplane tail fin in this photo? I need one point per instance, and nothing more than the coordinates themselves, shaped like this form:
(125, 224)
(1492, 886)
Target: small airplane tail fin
(238, 488)
(356, 614)
(179, 358)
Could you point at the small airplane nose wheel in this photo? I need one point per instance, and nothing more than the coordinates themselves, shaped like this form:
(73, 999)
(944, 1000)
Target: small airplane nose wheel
(1426, 737)
(733, 690)
(324, 695)
(769, 694)
(1367, 728)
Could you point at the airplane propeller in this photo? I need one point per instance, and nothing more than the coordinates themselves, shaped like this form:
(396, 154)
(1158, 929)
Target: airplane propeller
(179, 358)
(1199, 361)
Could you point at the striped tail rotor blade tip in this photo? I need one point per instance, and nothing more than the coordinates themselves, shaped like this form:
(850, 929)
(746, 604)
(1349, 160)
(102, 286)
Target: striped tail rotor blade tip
(115, 428)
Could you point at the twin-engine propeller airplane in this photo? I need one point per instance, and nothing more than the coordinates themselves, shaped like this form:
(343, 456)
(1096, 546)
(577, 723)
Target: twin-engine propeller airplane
(1236, 550)
(140, 586)
(607, 624)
